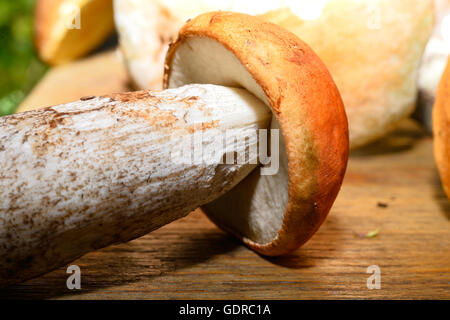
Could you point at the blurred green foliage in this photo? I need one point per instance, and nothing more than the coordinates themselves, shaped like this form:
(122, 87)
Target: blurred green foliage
(20, 67)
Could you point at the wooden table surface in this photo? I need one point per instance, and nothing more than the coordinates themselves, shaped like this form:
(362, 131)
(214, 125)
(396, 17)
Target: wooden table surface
(391, 185)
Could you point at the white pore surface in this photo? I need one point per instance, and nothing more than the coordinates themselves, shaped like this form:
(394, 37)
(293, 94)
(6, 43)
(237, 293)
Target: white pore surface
(255, 207)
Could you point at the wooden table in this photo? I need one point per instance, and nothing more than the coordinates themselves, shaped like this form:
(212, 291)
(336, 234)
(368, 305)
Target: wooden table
(391, 185)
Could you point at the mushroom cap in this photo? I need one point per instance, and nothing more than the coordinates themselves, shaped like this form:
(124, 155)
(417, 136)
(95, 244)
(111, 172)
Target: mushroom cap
(441, 129)
(59, 39)
(272, 214)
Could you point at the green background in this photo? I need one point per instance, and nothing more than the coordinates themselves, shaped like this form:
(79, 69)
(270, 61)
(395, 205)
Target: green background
(20, 68)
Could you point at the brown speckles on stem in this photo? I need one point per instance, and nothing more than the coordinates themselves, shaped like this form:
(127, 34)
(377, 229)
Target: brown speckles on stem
(81, 180)
(209, 125)
(130, 96)
(52, 124)
(87, 98)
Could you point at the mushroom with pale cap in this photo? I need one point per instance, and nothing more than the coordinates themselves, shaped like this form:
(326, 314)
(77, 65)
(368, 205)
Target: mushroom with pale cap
(372, 48)
(433, 63)
(80, 176)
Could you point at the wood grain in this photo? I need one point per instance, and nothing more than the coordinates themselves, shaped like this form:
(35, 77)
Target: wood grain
(192, 259)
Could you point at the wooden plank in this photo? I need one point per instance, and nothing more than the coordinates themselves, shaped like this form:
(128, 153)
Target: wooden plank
(192, 259)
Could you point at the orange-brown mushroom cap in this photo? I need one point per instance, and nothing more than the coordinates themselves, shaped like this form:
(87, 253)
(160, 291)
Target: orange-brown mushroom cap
(307, 107)
(441, 129)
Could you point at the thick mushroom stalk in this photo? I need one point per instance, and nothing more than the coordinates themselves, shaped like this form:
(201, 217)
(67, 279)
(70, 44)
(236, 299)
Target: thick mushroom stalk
(81, 176)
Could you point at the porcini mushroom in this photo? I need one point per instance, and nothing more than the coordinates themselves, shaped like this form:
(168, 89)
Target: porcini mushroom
(84, 175)
(272, 214)
(441, 129)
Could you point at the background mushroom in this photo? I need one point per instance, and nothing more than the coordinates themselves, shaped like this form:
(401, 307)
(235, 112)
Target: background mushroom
(372, 57)
(433, 62)
(84, 175)
(68, 29)
(441, 129)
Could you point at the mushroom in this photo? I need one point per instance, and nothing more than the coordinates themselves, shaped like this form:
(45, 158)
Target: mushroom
(272, 214)
(441, 129)
(433, 63)
(372, 48)
(68, 29)
(81, 176)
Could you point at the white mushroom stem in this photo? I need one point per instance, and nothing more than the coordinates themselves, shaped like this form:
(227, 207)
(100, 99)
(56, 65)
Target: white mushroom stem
(80, 176)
